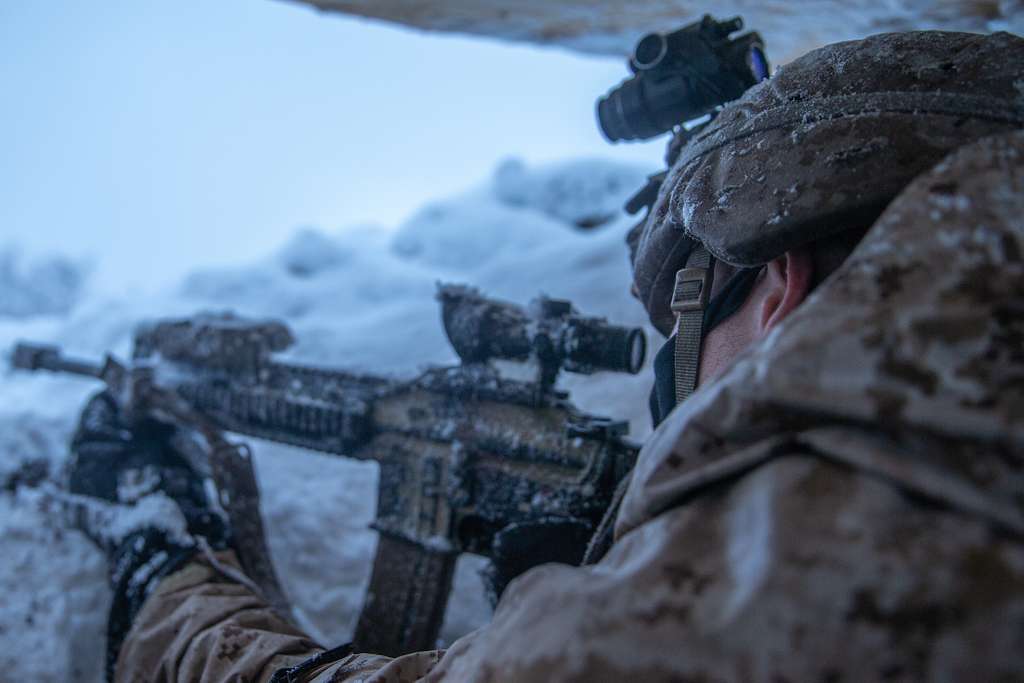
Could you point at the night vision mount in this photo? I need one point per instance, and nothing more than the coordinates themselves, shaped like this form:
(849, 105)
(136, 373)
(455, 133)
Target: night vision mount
(680, 77)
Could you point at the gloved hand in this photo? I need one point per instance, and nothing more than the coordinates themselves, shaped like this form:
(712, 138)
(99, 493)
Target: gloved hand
(117, 461)
(520, 547)
(121, 462)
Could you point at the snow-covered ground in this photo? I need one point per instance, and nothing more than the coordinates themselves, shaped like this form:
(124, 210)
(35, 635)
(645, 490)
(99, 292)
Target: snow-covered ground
(361, 299)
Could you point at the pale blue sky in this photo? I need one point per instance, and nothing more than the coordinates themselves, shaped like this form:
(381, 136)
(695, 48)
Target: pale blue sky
(157, 136)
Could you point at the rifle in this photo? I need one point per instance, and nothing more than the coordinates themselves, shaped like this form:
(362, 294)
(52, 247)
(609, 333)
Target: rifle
(467, 456)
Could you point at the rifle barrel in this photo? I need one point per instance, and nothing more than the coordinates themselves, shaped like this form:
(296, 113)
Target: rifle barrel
(34, 357)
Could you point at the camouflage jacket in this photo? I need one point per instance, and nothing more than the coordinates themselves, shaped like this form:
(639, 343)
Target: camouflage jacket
(846, 503)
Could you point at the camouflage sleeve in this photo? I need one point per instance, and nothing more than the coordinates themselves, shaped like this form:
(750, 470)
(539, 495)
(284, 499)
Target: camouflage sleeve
(199, 626)
(801, 570)
(367, 668)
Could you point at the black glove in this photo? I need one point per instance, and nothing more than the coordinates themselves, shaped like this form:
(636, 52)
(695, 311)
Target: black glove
(520, 547)
(116, 461)
(119, 462)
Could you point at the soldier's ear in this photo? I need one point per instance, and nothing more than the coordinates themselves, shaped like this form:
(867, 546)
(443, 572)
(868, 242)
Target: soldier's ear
(787, 282)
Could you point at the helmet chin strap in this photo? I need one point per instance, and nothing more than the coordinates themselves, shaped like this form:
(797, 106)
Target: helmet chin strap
(689, 299)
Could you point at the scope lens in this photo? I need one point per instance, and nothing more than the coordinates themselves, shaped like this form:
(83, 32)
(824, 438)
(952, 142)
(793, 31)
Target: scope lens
(649, 52)
(637, 351)
(597, 346)
(758, 64)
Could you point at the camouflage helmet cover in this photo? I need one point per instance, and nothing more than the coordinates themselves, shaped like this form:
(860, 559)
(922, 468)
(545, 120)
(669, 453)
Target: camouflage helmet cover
(825, 145)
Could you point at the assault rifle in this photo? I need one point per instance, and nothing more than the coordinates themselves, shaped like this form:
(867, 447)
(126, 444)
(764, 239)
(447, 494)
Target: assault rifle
(468, 458)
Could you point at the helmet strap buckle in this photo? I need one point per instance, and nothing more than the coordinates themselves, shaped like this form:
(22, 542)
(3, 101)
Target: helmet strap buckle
(689, 300)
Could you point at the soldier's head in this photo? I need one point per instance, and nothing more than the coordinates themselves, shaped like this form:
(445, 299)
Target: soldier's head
(766, 201)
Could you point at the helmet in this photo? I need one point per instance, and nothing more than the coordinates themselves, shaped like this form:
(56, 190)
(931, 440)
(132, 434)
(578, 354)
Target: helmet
(823, 146)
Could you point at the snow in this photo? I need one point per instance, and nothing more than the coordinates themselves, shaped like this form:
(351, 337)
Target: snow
(579, 192)
(360, 299)
(112, 523)
(47, 286)
(607, 27)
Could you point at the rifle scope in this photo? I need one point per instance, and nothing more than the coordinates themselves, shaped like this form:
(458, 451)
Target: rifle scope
(551, 331)
(682, 76)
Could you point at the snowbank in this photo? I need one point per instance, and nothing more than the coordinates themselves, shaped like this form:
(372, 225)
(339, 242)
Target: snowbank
(362, 299)
(41, 287)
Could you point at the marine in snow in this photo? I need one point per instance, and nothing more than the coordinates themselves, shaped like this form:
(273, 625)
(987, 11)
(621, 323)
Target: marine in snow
(840, 497)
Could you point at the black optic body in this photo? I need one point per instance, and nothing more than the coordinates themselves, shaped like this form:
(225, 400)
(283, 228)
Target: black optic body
(551, 331)
(682, 76)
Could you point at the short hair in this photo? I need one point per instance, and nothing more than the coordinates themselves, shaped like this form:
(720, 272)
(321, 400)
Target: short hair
(830, 253)
(827, 255)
